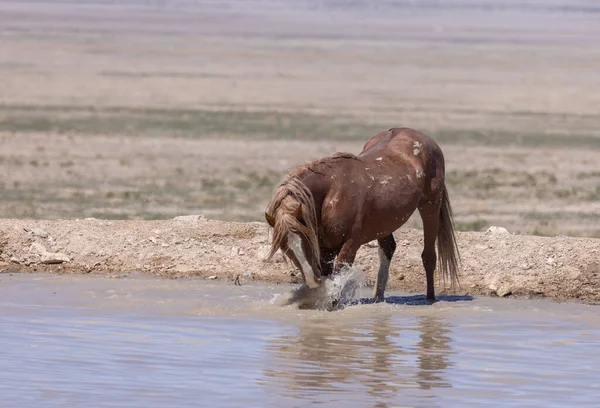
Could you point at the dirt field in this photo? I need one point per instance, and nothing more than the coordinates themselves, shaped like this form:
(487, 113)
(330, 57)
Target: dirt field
(148, 110)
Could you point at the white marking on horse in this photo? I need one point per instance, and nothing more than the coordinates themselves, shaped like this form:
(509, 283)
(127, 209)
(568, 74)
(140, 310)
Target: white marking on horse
(295, 245)
(420, 174)
(383, 273)
(386, 179)
(417, 147)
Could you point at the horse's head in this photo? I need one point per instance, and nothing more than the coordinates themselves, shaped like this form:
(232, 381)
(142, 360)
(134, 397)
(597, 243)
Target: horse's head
(294, 232)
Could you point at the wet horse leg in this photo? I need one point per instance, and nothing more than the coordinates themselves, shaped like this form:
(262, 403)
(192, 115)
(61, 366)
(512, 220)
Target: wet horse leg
(346, 256)
(327, 258)
(387, 247)
(430, 214)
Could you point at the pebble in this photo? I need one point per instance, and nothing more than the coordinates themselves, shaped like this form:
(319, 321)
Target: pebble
(38, 232)
(54, 258)
(503, 291)
(497, 231)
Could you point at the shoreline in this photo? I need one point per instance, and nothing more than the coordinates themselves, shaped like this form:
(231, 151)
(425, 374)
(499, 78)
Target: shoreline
(494, 263)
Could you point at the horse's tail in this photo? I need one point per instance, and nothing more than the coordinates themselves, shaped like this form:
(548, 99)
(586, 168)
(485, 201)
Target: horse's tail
(292, 209)
(446, 243)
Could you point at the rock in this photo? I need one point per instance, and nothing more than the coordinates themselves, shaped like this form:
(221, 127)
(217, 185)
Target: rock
(525, 266)
(503, 291)
(54, 258)
(37, 248)
(497, 231)
(401, 276)
(550, 261)
(30, 258)
(212, 277)
(38, 232)
(190, 218)
(45, 257)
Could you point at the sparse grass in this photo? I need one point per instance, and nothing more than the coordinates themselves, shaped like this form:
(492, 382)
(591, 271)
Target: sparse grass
(476, 225)
(239, 124)
(487, 182)
(577, 193)
(588, 175)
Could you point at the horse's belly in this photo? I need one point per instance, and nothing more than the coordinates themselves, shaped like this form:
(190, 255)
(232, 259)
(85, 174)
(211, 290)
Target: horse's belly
(387, 210)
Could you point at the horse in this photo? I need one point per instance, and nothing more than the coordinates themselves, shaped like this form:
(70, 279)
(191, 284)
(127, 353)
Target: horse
(323, 212)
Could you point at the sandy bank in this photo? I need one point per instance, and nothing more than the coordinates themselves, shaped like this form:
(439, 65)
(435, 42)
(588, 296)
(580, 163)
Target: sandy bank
(563, 268)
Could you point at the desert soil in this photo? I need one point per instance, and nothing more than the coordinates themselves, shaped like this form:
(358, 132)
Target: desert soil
(493, 263)
(149, 110)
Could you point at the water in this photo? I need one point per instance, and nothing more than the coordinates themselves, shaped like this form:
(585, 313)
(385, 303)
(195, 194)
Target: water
(141, 342)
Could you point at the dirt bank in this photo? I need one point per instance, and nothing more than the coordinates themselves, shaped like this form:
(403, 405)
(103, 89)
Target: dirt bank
(495, 263)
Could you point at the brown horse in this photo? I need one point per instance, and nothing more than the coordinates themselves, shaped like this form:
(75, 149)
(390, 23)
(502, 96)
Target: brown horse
(323, 212)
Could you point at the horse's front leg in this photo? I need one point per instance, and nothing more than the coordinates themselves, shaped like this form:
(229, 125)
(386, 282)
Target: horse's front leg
(346, 256)
(327, 261)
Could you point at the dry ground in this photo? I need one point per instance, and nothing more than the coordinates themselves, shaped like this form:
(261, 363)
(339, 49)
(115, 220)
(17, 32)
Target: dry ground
(150, 110)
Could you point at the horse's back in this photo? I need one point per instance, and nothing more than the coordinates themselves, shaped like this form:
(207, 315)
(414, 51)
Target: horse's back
(400, 140)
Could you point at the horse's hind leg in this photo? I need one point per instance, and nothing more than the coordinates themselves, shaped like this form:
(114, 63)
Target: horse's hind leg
(387, 247)
(430, 214)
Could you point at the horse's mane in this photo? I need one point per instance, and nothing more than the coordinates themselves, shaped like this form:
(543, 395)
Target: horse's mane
(292, 198)
(319, 166)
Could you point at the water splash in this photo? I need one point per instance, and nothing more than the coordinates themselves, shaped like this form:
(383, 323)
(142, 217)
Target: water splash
(335, 293)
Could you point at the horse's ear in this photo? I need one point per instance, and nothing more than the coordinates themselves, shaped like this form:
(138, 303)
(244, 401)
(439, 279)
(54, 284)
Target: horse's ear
(270, 219)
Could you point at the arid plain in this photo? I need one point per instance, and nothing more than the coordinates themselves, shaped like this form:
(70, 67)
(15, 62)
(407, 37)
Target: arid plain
(149, 110)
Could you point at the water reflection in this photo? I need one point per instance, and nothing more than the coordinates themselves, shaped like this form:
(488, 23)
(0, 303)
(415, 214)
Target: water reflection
(384, 354)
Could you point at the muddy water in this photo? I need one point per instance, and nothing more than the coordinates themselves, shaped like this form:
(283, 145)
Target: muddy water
(89, 341)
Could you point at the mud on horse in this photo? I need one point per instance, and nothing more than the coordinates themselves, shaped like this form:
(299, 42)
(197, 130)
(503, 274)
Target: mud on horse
(324, 211)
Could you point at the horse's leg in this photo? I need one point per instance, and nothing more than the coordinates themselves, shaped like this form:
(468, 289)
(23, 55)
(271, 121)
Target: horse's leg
(346, 256)
(430, 214)
(387, 246)
(327, 258)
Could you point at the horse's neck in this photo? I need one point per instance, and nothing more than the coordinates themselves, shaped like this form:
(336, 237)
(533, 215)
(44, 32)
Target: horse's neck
(319, 186)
